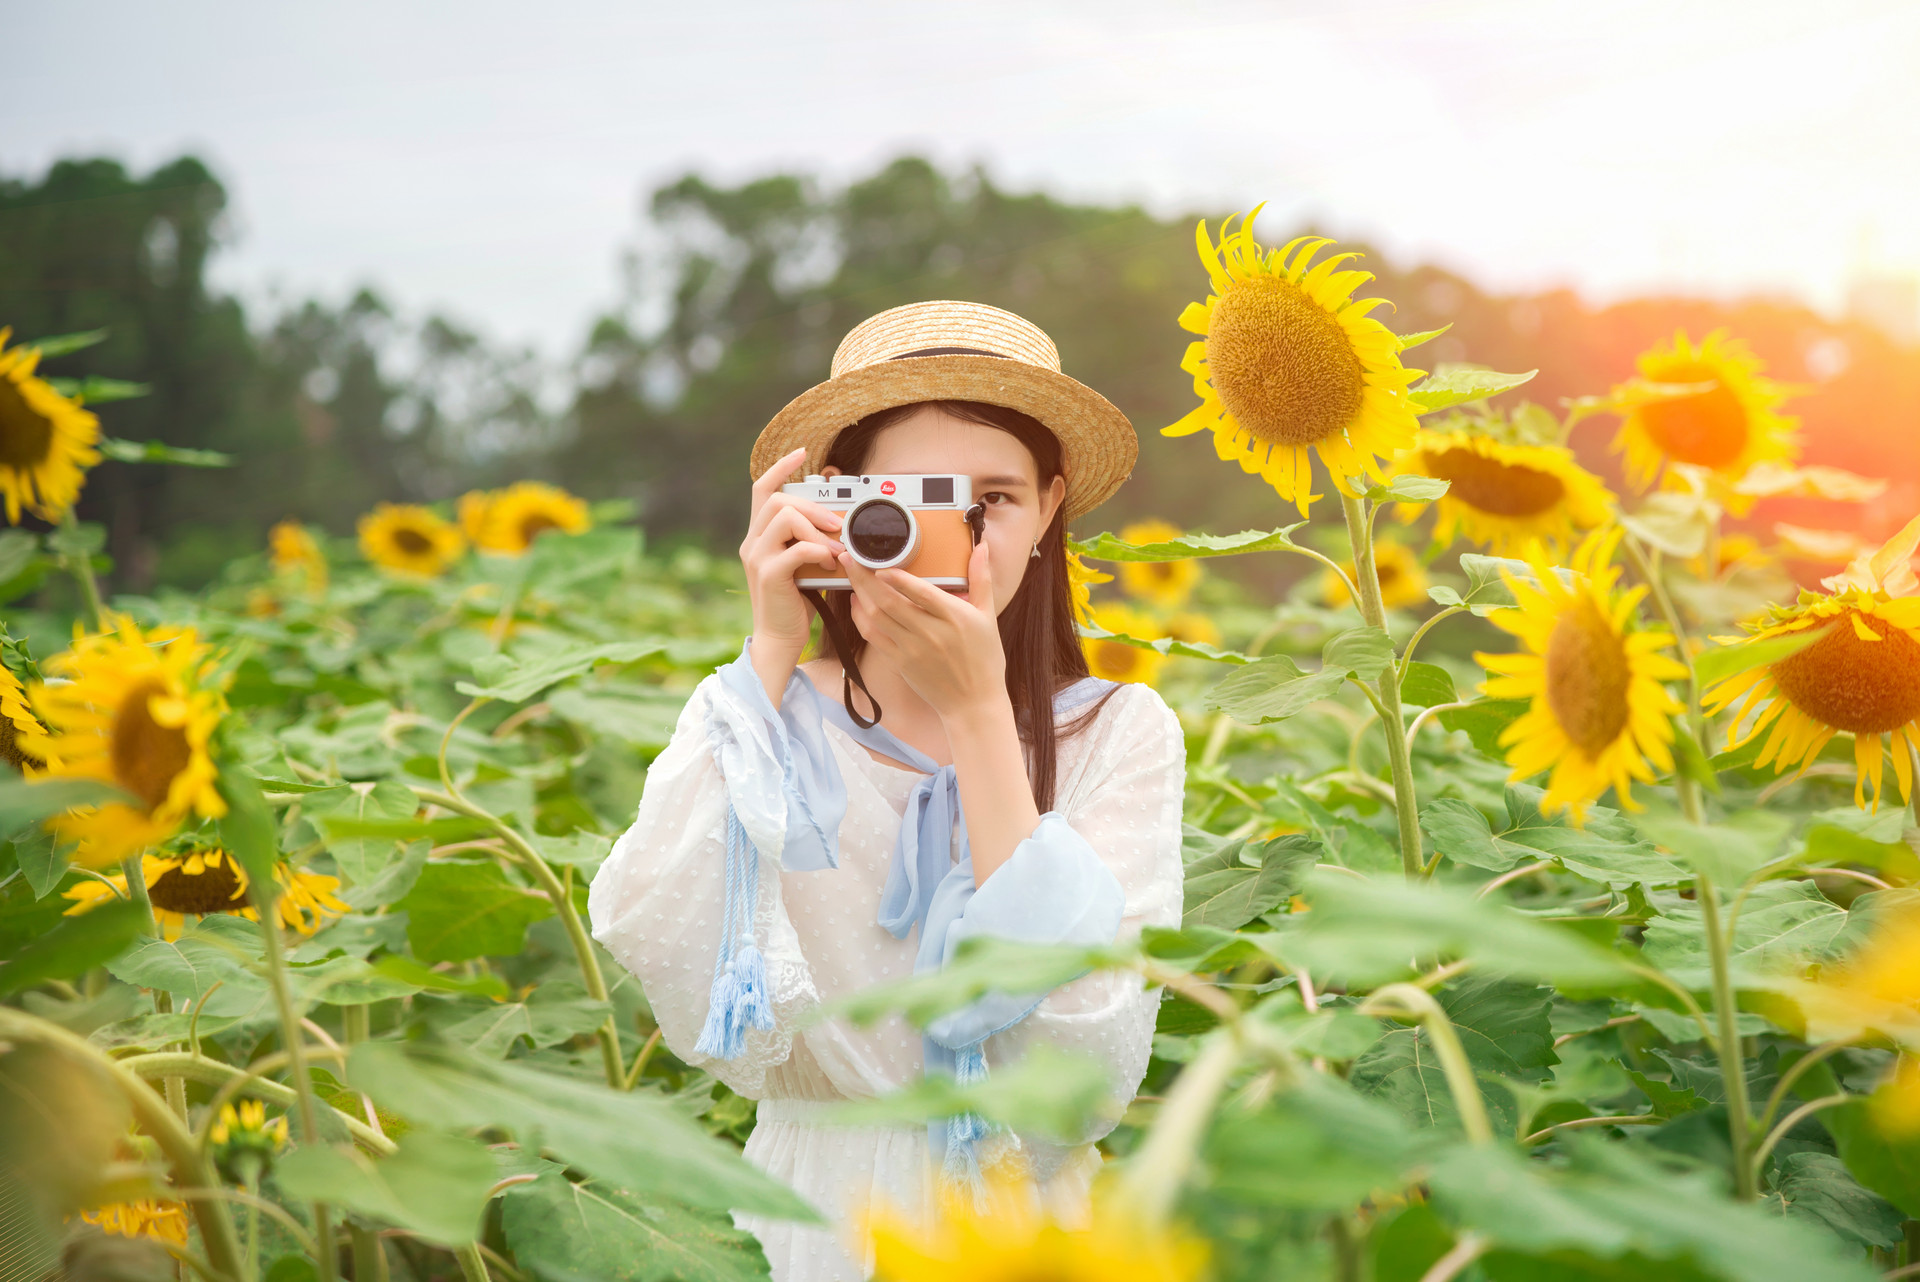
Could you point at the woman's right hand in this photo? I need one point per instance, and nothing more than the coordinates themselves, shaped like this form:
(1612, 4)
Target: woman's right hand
(785, 536)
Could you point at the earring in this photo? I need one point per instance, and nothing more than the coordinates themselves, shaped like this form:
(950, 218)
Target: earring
(1036, 547)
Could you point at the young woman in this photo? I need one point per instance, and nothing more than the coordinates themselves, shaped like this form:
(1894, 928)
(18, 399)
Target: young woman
(787, 851)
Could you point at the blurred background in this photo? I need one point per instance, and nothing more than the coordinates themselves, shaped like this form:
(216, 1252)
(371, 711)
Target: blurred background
(399, 250)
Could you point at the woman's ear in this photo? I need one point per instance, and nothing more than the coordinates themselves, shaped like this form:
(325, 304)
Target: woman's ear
(829, 470)
(1050, 500)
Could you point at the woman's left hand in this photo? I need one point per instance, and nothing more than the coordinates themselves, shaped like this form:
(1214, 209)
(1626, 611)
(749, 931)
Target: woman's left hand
(946, 647)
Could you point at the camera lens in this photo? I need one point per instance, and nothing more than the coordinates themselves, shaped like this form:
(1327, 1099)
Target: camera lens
(879, 533)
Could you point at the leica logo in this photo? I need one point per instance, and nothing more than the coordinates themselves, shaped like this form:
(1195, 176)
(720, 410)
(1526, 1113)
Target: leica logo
(886, 487)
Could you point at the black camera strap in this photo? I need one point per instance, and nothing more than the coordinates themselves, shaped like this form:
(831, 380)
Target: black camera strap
(849, 666)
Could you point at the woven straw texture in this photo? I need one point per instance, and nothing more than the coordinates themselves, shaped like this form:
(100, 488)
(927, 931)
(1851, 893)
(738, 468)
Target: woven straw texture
(874, 370)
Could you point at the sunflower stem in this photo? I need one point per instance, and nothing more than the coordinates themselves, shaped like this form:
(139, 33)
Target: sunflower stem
(1155, 1172)
(1688, 790)
(190, 1166)
(294, 1045)
(1733, 1068)
(133, 868)
(81, 567)
(1406, 804)
(535, 866)
(1410, 1001)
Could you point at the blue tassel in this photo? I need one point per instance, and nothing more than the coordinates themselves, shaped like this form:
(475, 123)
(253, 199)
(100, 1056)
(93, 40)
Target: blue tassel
(962, 1163)
(751, 1004)
(721, 1036)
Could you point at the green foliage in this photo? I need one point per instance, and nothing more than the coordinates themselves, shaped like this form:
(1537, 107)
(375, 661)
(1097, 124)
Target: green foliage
(434, 1186)
(459, 911)
(596, 1230)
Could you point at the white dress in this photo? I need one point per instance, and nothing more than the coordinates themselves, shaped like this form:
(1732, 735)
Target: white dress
(657, 902)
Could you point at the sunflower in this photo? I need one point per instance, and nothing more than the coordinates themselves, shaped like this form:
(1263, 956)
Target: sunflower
(472, 512)
(1290, 362)
(511, 519)
(244, 1142)
(410, 539)
(1195, 629)
(1600, 712)
(16, 721)
(1502, 495)
(1116, 660)
(1080, 580)
(1861, 677)
(1732, 552)
(1015, 1240)
(295, 552)
(159, 1219)
(1877, 990)
(1403, 580)
(1726, 428)
(204, 880)
(136, 710)
(1163, 583)
(46, 440)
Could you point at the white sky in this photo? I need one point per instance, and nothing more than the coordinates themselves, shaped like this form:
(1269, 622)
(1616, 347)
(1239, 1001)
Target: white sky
(490, 158)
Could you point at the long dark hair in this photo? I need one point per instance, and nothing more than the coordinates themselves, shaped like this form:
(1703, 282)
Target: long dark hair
(1036, 629)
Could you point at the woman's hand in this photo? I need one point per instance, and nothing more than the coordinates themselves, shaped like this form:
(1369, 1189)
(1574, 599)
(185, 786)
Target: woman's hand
(785, 536)
(947, 648)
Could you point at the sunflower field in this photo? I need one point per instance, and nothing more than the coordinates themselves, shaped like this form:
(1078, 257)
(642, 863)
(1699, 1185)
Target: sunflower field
(1550, 855)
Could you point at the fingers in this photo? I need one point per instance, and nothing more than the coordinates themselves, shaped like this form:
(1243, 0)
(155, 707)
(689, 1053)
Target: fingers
(768, 500)
(980, 579)
(790, 525)
(879, 591)
(788, 563)
(774, 477)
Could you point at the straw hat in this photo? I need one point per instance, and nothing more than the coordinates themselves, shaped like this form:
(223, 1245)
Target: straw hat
(963, 352)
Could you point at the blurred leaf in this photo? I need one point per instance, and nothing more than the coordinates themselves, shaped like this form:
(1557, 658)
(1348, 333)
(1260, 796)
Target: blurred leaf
(1720, 662)
(1611, 1201)
(1058, 1095)
(980, 964)
(61, 344)
(509, 679)
(583, 850)
(456, 911)
(1408, 487)
(1727, 852)
(1409, 341)
(40, 860)
(18, 550)
(1816, 1187)
(1886, 1163)
(81, 540)
(564, 1231)
(409, 971)
(1164, 645)
(554, 1012)
(75, 946)
(1674, 521)
(1223, 891)
(361, 858)
(251, 834)
(1783, 925)
(635, 1140)
(1317, 1146)
(93, 390)
(1362, 652)
(1503, 1027)
(1271, 689)
(1427, 685)
(1484, 720)
(447, 828)
(24, 802)
(157, 452)
(1111, 547)
(1451, 385)
(643, 715)
(1606, 850)
(434, 1187)
(214, 950)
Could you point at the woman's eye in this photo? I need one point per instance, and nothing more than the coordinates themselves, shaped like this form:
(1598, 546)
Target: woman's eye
(996, 496)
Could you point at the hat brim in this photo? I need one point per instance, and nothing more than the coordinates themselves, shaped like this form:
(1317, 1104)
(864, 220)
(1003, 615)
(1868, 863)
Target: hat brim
(1098, 446)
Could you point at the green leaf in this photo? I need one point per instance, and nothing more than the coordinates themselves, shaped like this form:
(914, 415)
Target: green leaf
(447, 828)
(1674, 522)
(635, 1141)
(81, 540)
(61, 344)
(1409, 487)
(211, 952)
(1451, 385)
(1223, 891)
(1783, 926)
(460, 910)
(1710, 667)
(434, 1187)
(1727, 852)
(1611, 1201)
(158, 452)
(19, 549)
(1058, 1095)
(74, 947)
(1504, 1028)
(1111, 547)
(1271, 689)
(1461, 832)
(553, 1013)
(1484, 720)
(1886, 1163)
(40, 860)
(980, 964)
(94, 390)
(1164, 645)
(561, 1230)
(1369, 932)
(251, 834)
(1316, 1147)
(361, 858)
(1427, 685)
(1606, 850)
(1409, 341)
(1668, 1099)
(509, 679)
(24, 802)
(409, 971)
(1817, 1188)
(637, 714)
(1360, 652)
(583, 850)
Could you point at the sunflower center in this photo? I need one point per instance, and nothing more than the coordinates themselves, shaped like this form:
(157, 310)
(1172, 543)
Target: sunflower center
(1587, 678)
(1501, 489)
(536, 525)
(1708, 429)
(1113, 656)
(146, 755)
(1386, 573)
(216, 888)
(10, 744)
(26, 435)
(1281, 365)
(412, 542)
(1862, 687)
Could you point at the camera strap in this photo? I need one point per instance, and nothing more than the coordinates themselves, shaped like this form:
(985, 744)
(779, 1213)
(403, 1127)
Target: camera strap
(849, 666)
